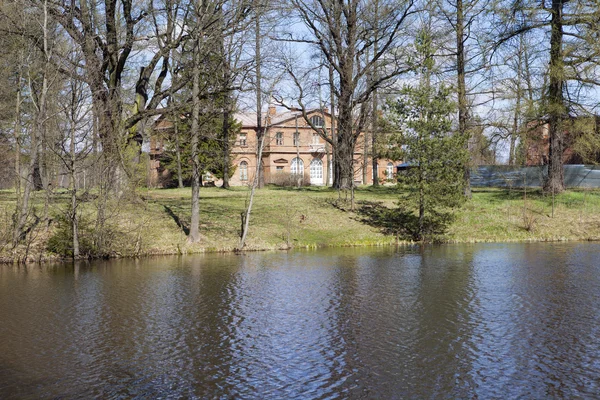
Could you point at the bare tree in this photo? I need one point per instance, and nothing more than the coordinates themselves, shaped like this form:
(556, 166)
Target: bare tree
(572, 63)
(343, 33)
(208, 36)
(40, 101)
(205, 20)
(264, 124)
(75, 147)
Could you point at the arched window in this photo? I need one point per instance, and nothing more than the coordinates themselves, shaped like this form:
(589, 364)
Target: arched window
(389, 170)
(243, 171)
(297, 166)
(317, 121)
(316, 172)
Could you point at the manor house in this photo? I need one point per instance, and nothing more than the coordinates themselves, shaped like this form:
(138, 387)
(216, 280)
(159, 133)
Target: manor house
(292, 150)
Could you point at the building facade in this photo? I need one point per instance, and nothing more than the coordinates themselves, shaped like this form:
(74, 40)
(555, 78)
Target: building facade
(293, 152)
(537, 141)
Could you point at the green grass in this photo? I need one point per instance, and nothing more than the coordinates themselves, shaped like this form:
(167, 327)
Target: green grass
(496, 215)
(305, 218)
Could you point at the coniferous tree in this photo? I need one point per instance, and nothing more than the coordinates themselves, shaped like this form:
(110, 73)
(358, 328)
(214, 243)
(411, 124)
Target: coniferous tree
(433, 183)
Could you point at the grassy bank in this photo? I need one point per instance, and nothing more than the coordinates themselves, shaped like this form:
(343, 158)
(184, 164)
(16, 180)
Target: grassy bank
(155, 222)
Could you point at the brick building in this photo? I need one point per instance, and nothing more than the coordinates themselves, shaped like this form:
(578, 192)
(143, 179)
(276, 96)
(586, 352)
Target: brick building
(537, 144)
(292, 150)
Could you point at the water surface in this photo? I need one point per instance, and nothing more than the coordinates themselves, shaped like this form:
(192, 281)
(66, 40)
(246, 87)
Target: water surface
(456, 321)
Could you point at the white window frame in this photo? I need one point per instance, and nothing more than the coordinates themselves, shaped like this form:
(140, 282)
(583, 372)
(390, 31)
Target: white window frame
(297, 168)
(389, 170)
(316, 170)
(243, 171)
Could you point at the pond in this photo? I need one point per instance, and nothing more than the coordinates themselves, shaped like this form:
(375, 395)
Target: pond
(452, 321)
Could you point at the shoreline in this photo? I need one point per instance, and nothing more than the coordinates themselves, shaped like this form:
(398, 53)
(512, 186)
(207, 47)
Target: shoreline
(154, 224)
(51, 258)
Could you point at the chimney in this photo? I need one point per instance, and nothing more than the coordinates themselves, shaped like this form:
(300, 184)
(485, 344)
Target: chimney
(272, 110)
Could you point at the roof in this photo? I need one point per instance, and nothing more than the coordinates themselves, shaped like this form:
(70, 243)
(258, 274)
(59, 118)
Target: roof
(248, 119)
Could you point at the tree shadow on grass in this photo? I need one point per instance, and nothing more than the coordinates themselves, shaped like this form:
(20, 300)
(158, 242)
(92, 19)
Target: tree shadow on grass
(497, 196)
(395, 222)
(402, 222)
(177, 220)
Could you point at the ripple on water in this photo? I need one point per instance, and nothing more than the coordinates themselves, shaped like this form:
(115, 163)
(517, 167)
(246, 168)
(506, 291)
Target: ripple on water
(491, 321)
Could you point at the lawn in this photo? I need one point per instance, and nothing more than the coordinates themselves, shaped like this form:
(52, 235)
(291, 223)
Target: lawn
(156, 221)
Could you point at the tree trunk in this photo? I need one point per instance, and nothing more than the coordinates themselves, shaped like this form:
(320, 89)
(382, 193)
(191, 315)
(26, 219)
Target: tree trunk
(37, 136)
(512, 156)
(555, 182)
(178, 154)
(512, 160)
(226, 147)
(375, 116)
(334, 162)
(346, 142)
(365, 158)
(462, 91)
(227, 111)
(194, 235)
(255, 184)
(259, 123)
(374, 124)
(73, 186)
(17, 138)
(23, 212)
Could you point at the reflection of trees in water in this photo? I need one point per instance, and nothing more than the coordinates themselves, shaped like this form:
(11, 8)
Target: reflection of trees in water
(165, 324)
(402, 334)
(449, 321)
(288, 335)
(555, 316)
(212, 314)
(444, 306)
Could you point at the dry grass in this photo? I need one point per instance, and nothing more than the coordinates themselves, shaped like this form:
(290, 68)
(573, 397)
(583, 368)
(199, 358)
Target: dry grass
(496, 215)
(309, 218)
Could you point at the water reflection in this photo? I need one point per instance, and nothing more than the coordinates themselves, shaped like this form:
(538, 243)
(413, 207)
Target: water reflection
(448, 321)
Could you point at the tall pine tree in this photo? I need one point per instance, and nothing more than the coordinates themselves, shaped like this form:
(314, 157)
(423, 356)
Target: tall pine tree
(433, 183)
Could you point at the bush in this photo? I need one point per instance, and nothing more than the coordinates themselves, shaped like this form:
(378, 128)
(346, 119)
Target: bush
(61, 242)
(287, 179)
(6, 224)
(404, 222)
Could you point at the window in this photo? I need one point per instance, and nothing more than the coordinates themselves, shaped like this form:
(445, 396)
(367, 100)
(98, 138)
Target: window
(279, 168)
(297, 167)
(279, 138)
(243, 140)
(315, 138)
(317, 121)
(296, 139)
(243, 171)
(316, 172)
(389, 170)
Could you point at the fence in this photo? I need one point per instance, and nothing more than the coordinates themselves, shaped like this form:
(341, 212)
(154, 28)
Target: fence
(576, 176)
